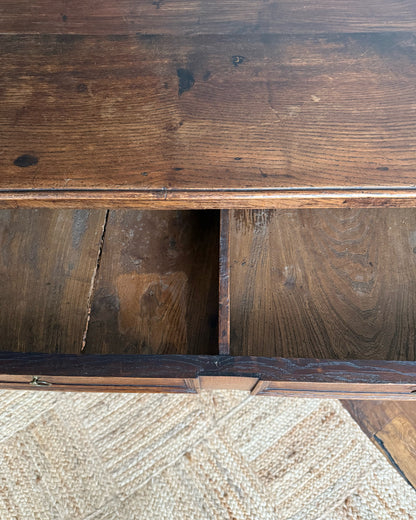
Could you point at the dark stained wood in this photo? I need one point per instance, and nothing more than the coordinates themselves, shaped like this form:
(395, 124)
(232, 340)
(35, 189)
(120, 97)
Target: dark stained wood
(324, 283)
(190, 367)
(47, 264)
(301, 377)
(157, 286)
(249, 114)
(392, 427)
(180, 105)
(224, 284)
(206, 16)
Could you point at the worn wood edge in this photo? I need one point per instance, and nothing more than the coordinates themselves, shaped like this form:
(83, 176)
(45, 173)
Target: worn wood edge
(138, 387)
(359, 379)
(224, 284)
(351, 390)
(374, 421)
(211, 199)
(99, 383)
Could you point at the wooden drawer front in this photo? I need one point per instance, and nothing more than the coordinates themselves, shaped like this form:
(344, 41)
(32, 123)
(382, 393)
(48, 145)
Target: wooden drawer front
(190, 374)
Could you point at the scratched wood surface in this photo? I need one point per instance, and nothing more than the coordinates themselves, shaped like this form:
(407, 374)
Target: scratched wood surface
(157, 285)
(392, 427)
(47, 262)
(86, 115)
(206, 16)
(336, 284)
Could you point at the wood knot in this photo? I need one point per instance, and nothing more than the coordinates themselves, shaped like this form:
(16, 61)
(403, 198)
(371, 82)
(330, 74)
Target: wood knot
(25, 160)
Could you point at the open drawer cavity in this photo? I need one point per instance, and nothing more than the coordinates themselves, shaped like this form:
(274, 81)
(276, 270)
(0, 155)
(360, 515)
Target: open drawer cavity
(81, 285)
(336, 288)
(309, 302)
(118, 282)
(328, 284)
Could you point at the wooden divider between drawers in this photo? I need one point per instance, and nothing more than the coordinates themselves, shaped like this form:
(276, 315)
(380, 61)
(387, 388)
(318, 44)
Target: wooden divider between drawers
(224, 286)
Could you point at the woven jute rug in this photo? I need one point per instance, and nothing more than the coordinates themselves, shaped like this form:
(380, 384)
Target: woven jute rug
(217, 455)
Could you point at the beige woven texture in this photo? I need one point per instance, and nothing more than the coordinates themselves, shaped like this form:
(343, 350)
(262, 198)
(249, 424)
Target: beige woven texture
(217, 455)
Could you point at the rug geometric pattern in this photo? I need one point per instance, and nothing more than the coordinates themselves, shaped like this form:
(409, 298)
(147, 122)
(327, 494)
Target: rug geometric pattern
(215, 455)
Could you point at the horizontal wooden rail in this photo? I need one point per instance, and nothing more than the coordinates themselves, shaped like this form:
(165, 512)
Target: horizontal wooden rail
(267, 376)
(209, 199)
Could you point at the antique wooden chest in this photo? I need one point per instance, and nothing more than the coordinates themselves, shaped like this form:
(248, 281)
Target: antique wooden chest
(204, 194)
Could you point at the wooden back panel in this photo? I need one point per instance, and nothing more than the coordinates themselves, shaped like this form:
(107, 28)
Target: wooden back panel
(47, 264)
(156, 290)
(334, 284)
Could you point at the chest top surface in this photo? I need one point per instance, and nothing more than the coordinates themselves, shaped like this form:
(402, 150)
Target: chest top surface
(208, 104)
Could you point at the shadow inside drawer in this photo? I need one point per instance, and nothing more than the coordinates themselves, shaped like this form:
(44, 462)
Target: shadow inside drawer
(109, 282)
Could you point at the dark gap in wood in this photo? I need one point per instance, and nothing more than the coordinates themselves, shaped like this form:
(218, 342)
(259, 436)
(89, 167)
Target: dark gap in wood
(224, 284)
(94, 281)
(48, 257)
(383, 448)
(259, 189)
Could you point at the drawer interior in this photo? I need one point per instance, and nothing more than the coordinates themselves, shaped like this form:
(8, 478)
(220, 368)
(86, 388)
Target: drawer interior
(109, 282)
(328, 284)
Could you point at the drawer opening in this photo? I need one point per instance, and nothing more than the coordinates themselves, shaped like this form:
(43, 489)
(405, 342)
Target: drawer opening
(325, 284)
(109, 282)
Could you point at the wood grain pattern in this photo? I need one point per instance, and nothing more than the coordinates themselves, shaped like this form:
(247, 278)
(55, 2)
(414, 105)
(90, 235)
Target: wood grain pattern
(372, 417)
(398, 437)
(392, 427)
(205, 16)
(277, 376)
(83, 117)
(224, 284)
(47, 262)
(324, 283)
(157, 286)
(209, 199)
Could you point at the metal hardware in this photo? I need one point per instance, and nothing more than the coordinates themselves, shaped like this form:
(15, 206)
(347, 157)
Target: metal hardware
(39, 382)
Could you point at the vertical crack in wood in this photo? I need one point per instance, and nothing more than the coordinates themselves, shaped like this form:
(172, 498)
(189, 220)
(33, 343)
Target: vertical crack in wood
(94, 280)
